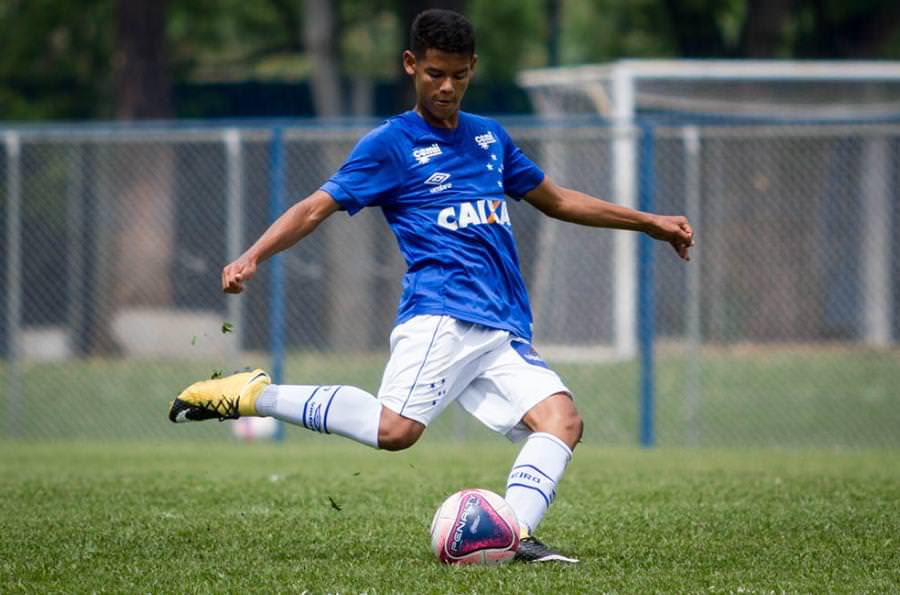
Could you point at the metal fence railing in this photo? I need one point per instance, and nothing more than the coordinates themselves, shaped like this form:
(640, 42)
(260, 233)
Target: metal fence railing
(781, 331)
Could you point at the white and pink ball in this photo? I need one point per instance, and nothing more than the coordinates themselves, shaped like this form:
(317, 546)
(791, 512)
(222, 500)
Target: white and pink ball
(474, 526)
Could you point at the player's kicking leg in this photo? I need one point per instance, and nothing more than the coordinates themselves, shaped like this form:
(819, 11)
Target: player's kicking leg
(429, 355)
(343, 410)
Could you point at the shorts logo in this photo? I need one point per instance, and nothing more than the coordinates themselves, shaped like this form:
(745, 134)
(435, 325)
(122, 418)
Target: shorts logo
(437, 180)
(527, 352)
(485, 140)
(479, 212)
(425, 154)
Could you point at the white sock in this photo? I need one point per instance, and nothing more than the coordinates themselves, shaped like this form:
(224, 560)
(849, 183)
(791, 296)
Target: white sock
(343, 410)
(531, 486)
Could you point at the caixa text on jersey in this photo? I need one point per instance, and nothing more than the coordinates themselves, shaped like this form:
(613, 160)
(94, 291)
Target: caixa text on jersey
(479, 212)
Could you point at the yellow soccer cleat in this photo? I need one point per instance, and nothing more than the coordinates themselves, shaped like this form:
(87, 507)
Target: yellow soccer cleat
(221, 398)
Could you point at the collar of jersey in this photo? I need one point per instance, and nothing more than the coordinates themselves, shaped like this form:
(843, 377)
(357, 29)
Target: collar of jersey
(449, 135)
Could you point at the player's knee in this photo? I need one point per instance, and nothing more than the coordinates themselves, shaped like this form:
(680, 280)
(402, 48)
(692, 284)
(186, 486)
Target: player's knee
(398, 433)
(577, 425)
(568, 426)
(557, 415)
(394, 441)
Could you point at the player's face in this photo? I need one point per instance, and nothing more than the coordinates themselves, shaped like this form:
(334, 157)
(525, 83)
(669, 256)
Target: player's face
(441, 80)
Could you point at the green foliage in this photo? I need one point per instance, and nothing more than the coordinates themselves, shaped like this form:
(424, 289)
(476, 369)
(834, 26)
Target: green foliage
(611, 29)
(56, 58)
(510, 36)
(371, 40)
(333, 517)
(236, 39)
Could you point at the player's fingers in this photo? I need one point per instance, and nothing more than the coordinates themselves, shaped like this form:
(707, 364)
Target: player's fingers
(231, 280)
(227, 278)
(233, 284)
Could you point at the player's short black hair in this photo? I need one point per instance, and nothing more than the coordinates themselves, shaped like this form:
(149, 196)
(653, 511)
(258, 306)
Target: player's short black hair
(444, 30)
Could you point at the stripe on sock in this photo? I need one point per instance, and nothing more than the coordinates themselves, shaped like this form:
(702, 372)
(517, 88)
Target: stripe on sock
(328, 408)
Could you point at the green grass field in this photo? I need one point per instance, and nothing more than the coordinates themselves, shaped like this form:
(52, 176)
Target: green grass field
(225, 517)
(764, 397)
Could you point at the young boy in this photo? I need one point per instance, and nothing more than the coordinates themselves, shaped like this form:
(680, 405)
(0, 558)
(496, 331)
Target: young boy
(463, 333)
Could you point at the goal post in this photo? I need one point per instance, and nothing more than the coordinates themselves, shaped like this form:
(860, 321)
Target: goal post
(629, 93)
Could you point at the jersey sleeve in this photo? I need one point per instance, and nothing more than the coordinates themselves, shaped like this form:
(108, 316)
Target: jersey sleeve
(520, 174)
(368, 177)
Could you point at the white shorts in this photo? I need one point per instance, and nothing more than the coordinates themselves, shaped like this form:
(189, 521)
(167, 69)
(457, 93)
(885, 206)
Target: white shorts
(494, 375)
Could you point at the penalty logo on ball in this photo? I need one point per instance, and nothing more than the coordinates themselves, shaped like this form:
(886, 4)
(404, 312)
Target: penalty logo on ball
(474, 526)
(478, 526)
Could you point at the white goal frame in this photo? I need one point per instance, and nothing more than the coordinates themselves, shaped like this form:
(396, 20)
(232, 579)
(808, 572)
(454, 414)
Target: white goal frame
(613, 91)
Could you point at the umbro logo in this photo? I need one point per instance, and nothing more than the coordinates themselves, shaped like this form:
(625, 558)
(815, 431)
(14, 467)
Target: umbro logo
(437, 177)
(485, 140)
(424, 154)
(437, 180)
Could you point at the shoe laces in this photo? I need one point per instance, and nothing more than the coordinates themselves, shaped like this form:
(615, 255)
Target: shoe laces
(225, 407)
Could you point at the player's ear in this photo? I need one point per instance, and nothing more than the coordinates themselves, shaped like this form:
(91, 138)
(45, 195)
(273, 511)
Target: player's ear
(473, 62)
(409, 62)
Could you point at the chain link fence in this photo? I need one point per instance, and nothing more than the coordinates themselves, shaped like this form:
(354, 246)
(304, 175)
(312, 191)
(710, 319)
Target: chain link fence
(781, 331)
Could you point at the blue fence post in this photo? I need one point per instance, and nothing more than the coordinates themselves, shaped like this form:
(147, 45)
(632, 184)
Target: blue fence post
(276, 291)
(646, 297)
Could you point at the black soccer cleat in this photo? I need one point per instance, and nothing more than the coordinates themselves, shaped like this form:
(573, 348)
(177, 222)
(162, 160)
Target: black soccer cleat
(532, 549)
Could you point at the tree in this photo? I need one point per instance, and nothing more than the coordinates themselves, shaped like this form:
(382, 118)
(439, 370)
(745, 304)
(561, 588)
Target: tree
(320, 36)
(510, 36)
(137, 233)
(143, 85)
(867, 29)
(765, 28)
(55, 59)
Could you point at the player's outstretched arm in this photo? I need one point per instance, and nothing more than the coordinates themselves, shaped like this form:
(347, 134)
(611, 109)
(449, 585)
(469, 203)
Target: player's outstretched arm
(295, 224)
(577, 207)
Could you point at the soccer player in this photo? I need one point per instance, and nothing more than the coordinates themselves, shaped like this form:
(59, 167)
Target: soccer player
(463, 330)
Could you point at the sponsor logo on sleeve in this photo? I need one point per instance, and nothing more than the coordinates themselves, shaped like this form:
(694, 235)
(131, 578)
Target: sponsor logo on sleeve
(485, 140)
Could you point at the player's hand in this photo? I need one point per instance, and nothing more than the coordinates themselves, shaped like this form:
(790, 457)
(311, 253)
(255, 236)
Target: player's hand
(674, 229)
(237, 273)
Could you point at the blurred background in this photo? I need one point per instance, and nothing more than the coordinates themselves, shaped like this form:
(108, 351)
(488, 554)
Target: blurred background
(147, 142)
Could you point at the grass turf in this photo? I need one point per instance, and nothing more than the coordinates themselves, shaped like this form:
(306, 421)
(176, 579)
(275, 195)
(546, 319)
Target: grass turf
(744, 397)
(227, 517)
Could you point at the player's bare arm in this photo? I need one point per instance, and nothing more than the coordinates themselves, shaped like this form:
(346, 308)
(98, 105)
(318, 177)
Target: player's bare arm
(577, 207)
(295, 224)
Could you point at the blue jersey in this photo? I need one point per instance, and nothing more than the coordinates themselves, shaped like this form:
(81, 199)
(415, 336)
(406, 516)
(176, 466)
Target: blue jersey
(443, 192)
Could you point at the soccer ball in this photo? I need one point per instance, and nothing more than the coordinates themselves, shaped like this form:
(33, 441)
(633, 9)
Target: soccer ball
(474, 527)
